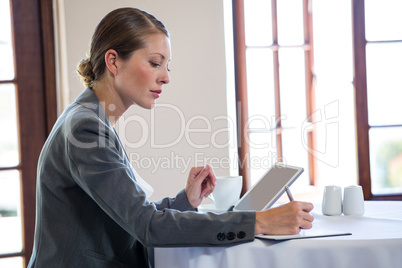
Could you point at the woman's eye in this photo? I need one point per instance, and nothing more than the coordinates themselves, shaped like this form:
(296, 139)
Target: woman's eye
(153, 64)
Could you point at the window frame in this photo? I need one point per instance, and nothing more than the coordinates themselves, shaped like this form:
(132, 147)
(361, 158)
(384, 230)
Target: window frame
(240, 48)
(361, 107)
(35, 82)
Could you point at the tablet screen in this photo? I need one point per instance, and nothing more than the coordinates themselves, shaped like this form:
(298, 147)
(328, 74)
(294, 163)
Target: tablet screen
(269, 188)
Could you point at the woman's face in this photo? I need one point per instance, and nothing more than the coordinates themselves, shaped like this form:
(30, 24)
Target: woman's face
(140, 78)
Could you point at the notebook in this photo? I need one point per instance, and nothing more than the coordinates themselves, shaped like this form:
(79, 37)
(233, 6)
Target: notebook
(311, 233)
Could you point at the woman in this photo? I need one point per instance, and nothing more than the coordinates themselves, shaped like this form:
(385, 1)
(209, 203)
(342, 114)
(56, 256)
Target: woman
(91, 211)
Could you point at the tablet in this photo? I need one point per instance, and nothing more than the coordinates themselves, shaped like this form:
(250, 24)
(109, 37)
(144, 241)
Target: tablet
(269, 188)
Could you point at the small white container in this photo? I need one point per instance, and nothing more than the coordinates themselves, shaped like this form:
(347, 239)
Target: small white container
(332, 200)
(353, 200)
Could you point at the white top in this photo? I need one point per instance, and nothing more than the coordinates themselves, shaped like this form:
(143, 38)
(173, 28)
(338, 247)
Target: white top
(146, 187)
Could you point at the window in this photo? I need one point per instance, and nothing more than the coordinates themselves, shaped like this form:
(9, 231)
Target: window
(378, 57)
(27, 111)
(274, 76)
(318, 86)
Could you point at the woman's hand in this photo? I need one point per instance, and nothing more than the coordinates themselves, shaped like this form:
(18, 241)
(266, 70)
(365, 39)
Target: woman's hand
(200, 183)
(286, 219)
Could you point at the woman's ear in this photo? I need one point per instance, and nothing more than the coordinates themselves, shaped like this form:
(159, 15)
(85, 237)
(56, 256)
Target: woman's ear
(110, 60)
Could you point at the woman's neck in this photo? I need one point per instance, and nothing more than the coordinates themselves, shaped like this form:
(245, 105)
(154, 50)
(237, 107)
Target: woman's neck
(110, 101)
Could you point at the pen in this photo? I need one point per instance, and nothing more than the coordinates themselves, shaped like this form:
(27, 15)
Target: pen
(289, 193)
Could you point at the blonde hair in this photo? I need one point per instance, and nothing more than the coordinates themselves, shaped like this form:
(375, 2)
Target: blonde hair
(123, 30)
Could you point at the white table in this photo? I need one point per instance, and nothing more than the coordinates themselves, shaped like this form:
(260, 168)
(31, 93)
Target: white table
(376, 241)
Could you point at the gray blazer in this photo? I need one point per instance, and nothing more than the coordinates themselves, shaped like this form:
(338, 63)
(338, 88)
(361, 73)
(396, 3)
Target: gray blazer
(90, 212)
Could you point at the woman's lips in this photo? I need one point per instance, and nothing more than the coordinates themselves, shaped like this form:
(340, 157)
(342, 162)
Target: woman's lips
(156, 92)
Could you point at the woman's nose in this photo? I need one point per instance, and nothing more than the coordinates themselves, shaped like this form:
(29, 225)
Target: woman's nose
(165, 78)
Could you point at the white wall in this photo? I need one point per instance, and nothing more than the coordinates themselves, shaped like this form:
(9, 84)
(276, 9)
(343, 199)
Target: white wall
(194, 98)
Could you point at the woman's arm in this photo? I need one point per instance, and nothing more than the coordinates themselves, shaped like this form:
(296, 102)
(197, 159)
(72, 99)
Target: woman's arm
(98, 166)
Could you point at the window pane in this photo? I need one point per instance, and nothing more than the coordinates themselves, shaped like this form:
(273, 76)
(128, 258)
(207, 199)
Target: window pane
(335, 132)
(383, 19)
(15, 262)
(333, 57)
(6, 45)
(10, 219)
(290, 22)
(386, 160)
(334, 91)
(295, 154)
(8, 123)
(292, 86)
(262, 154)
(384, 83)
(260, 84)
(258, 22)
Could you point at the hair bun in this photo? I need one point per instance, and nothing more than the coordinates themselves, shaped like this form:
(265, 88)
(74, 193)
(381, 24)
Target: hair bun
(85, 71)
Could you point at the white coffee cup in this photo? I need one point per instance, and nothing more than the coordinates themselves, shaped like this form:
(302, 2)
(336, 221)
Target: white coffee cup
(227, 191)
(353, 200)
(332, 200)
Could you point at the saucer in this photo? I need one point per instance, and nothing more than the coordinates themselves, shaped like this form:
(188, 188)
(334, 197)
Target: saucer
(210, 208)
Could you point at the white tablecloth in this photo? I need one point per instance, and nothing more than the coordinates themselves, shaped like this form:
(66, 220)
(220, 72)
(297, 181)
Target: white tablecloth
(376, 241)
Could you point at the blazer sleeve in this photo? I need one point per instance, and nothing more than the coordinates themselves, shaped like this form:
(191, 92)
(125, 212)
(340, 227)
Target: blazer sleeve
(98, 167)
(180, 202)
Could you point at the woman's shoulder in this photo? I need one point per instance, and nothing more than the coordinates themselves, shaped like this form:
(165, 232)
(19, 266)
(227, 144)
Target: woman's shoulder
(77, 114)
(78, 120)
(82, 117)
(85, 107)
